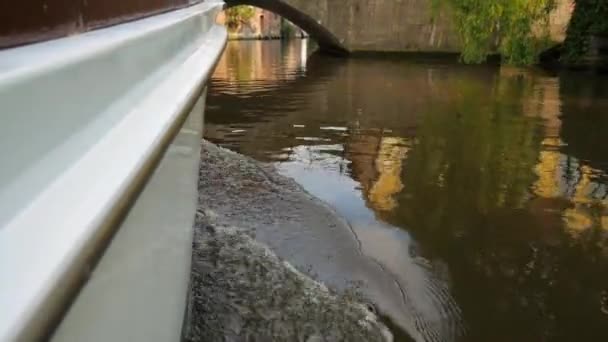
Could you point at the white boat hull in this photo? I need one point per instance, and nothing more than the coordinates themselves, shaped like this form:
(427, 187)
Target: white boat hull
(86, 120)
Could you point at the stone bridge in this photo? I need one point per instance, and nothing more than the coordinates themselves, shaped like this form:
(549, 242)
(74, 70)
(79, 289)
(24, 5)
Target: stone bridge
(352, 26)
(367, 25)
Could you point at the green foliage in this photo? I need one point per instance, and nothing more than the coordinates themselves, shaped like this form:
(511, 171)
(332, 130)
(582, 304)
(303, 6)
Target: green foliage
(514, 28)
(590, 17)
(287, 29)
(237, 15)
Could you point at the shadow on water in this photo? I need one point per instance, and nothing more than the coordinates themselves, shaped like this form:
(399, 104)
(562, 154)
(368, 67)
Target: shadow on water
(482, 190)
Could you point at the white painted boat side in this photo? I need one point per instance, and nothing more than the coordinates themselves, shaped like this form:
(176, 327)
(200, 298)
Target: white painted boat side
(139, 289)
(83, 118)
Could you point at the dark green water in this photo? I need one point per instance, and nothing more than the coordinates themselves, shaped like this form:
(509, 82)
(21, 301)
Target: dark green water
(484, 190)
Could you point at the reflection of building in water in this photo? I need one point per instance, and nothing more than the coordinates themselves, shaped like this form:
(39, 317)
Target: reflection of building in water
(303, 53)
(361, 150)
(247, 61)
(545, 103)
(377, 165)
(388, 165)
(561, 176)
(549, 169)
(589, 209)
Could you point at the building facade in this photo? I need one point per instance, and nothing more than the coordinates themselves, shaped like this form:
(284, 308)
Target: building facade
(263, 25)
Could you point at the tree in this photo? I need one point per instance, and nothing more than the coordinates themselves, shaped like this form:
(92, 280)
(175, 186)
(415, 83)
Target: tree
(589, 18)
(238, 15)
(509, 27)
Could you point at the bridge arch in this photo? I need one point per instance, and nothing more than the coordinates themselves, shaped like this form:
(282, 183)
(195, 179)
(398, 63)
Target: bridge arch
(327, 41)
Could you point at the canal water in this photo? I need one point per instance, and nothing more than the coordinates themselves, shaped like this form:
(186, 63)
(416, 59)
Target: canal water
(482, 190)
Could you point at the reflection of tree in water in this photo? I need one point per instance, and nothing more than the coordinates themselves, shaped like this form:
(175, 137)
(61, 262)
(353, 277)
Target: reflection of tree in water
(517, 271)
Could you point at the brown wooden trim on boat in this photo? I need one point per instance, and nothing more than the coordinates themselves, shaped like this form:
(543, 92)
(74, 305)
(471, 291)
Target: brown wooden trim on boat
(29, 21)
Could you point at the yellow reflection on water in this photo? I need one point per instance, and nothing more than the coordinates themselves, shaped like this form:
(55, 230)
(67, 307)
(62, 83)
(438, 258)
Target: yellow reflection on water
(587, 212)
(549, 171)
(563, 177)
(388, 163)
